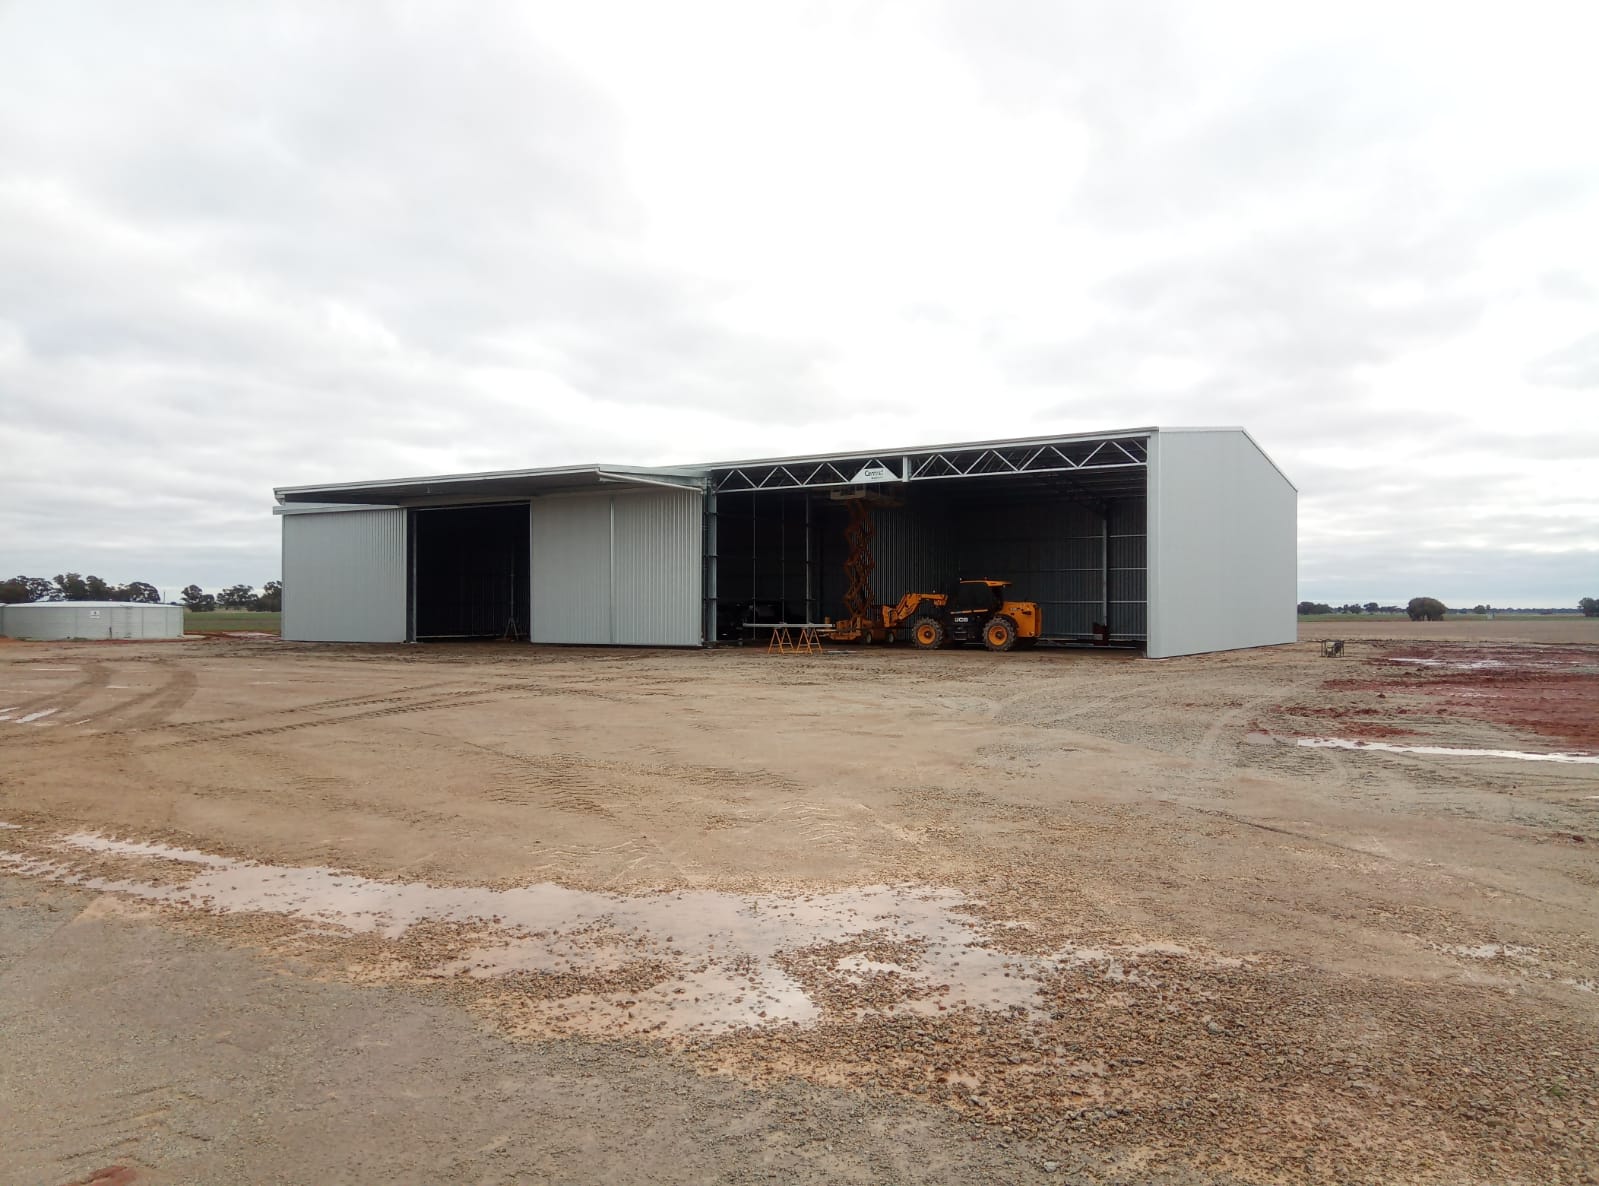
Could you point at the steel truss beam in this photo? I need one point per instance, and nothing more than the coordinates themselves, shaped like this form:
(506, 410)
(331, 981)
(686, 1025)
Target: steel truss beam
(979, 462)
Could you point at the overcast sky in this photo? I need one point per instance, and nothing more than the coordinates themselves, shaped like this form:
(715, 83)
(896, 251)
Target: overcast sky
(244, 246)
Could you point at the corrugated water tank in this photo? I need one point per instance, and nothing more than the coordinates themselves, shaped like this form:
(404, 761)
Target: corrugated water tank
(50, 620)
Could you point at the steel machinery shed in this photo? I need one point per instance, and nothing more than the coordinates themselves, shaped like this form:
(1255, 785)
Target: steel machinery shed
(1175, 540)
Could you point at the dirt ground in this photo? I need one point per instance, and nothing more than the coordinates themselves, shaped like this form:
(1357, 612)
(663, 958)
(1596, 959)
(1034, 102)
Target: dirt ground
(281, 912)
(1562, 629)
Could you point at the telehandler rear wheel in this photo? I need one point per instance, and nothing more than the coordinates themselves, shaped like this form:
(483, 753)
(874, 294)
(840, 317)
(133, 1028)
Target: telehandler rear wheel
(927, 634)
(999, 634)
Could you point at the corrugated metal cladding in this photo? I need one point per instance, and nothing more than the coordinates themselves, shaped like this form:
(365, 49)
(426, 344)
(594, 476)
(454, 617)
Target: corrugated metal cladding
(622, 567)
(49, 620)
(914, 551)
(659, 540)
(1223, 544)
(571, 569)
(344, 576)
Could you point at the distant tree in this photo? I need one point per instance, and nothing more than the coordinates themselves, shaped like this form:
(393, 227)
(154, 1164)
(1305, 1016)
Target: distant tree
(197, 600)
(1589, 607)
(17, 589)
(1315, 607)
(1371, 607)
(94, 589)
(271, 599)
(1426, 609)
(1479, 609)
(139, 591)
(70, 587)
(1351, 608)
(237, 597)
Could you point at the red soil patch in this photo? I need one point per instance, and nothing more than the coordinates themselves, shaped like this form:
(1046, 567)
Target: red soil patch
(1552, 691)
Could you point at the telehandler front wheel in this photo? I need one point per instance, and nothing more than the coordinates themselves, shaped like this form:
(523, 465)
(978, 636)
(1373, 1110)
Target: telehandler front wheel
(999, 634)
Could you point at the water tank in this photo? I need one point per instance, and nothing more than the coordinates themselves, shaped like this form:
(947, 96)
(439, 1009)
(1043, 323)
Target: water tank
(46, 620)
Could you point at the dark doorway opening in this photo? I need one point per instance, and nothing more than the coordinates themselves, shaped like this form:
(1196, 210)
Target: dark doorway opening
(470, 572)
(1076, 546)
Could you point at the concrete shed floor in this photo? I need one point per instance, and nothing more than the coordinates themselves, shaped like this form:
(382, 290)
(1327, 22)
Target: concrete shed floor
(280, 912)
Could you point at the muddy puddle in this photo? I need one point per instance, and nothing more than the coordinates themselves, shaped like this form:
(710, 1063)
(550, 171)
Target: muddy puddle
(1452, 664)
(30, 718)
(689, 961)
(1448, 751)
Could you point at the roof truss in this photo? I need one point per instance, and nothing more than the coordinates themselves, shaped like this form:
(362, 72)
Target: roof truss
(981, 461)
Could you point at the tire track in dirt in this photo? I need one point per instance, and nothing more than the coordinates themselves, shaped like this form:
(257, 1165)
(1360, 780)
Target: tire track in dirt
(96, 676)
(393, 698)
(216, 722)
(594, 788)
(621, 793)
(332, 793)
(111, 1126)
(571, 781)
(565, 782)
(434, 703)
(1205, 751)
(1031, 708)
(1339, 766)
(154, 707)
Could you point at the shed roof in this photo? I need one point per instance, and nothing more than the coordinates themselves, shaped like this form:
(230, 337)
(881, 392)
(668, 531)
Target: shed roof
(524, 483)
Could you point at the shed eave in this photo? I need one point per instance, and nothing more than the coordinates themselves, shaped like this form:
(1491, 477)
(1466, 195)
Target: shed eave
(509, 484)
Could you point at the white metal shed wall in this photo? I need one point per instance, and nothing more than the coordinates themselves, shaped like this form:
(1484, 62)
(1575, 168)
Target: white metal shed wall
(344, 576)
(1223, 544)
(571, 569)
(619, 567)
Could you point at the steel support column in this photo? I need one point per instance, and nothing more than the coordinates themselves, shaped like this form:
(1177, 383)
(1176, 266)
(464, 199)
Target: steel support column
(710, 570)
(810, 564)
(1104, 568)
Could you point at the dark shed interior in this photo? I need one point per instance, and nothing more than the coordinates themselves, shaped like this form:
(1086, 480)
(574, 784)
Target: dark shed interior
(1075, 544)
(469, 571)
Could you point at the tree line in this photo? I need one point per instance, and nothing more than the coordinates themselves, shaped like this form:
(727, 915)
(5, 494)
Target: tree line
(270, 599)
(71, 586)
(1429, 609)
(1369, 607)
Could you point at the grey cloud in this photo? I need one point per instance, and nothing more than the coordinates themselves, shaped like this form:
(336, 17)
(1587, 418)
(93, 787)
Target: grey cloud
(1568, 285)
(1306, 125)
(1526, 442)
(1304, 303)
(1576, 365)
(1459, 576)
(1115, 66)
(249, 247)
(455, 186)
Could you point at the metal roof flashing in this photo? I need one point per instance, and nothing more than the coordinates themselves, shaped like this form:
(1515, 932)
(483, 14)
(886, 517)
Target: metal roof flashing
(491, 484)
